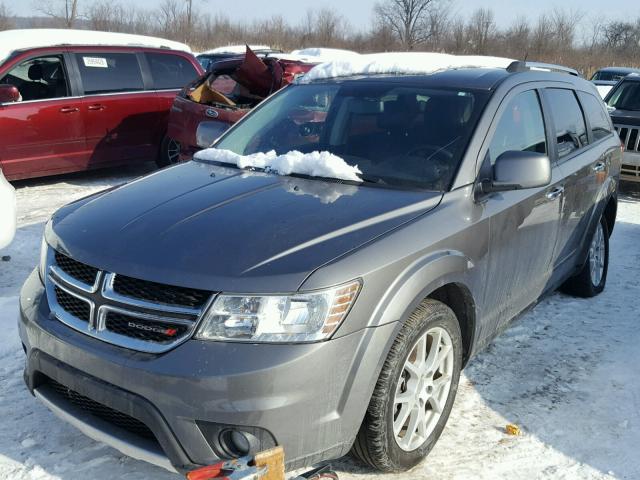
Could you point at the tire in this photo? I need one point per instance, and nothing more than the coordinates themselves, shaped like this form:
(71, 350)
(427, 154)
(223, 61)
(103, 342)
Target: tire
(584, 284)
(377, 444)
(169, 152)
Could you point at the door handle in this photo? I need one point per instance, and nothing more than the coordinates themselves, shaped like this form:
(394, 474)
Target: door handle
(599, 167)
(96, 107)
(555, 193)
(69, 109)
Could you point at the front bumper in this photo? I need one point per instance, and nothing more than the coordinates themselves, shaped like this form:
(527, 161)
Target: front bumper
(630, 170)
(7, 212)
(308, 398)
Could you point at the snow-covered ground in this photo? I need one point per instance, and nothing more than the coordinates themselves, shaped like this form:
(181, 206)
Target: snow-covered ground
(566, 373)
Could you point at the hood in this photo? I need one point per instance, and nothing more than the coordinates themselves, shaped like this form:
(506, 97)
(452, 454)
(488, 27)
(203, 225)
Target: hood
(625, 117)
(221, 229)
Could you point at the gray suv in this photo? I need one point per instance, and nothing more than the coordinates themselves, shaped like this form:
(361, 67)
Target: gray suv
(209, 311)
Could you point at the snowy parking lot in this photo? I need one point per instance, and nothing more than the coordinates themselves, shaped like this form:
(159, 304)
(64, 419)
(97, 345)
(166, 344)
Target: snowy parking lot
(566, 373)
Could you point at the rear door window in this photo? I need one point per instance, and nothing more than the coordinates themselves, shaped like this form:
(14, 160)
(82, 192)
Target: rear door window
(598, 117)
(571, 129)
(41, 78)
(109, 72)
(170, 71)
(521, 127)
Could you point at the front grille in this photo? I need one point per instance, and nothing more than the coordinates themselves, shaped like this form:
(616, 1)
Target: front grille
(630, 137)
(73, 305)
(136, 314)
(630, 172)
(160, 293)
(143, 329)
(84, 273)
(101, 411)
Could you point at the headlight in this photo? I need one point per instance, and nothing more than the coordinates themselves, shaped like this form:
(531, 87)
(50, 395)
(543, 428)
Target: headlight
(305, 317)
(44, 250)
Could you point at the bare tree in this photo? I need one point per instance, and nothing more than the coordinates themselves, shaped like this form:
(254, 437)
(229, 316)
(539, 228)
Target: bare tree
(169, 18)
(565, 24)
(517, 38)
(408, 19)
(6, 22)
(481, 30)
(109, 16)
(64, 12)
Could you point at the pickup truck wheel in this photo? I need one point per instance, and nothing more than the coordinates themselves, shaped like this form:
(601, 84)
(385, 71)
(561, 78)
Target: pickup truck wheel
(169, 152)
(415, 391)
(591, 280)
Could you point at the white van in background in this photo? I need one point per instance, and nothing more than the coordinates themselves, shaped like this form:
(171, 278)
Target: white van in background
(7, 211)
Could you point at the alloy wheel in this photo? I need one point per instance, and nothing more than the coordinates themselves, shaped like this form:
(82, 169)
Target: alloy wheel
(597, 256)
(173, 151)
(423, 389)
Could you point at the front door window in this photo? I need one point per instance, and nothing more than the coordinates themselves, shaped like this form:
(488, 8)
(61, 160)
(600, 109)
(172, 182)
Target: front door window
(41, 78)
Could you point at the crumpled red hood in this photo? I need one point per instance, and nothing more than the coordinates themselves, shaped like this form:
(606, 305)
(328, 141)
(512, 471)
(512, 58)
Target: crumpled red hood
(263, 77)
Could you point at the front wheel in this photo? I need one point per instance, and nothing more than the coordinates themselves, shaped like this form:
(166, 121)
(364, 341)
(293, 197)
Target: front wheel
(169, 152)
(415, 391)
(591, 280)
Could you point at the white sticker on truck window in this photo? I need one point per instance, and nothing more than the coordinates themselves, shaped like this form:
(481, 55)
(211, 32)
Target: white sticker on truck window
(95, 62)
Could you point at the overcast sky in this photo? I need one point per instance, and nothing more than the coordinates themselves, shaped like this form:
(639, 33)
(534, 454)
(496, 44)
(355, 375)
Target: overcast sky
(359, 11)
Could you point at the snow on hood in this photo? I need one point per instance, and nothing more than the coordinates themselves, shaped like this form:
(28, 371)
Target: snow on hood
(12, 40)
(407, 63)
(315, 164)
(326, 192)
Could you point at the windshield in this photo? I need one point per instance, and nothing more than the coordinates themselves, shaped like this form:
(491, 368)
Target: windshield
(625, 97)
(610, 76)
(397, 135)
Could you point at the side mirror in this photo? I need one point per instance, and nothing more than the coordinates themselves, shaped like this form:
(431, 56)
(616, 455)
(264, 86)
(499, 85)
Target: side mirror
(9, 93)
(515, 170)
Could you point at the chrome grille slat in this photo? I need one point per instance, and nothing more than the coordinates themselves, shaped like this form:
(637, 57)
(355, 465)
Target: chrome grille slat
(629, 136)
(109, 293)
(125, 321)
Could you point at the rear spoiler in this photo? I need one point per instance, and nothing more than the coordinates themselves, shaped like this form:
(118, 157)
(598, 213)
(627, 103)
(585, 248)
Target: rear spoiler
(520, 66)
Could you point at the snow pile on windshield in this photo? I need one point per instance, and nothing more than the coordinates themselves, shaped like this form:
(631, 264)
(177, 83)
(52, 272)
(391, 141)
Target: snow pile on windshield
(314, 164)
(12, 40)
(404, 63)
(235, 49)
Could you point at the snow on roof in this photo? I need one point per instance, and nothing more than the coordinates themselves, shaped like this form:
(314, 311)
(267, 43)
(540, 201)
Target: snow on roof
(403, 63)
(314, 164)
(235, 49)
(12, 40)
(329, 53)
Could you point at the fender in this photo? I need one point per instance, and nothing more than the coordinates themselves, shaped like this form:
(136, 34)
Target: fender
(413, 285)
(607, 192)
(417, 281)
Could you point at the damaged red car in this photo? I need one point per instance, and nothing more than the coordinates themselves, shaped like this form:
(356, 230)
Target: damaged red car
(203, 110)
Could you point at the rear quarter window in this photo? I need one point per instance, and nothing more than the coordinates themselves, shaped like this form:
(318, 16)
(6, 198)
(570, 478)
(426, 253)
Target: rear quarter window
(598, 117)
(109, 72)
(571, 129)
(170, 71)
